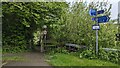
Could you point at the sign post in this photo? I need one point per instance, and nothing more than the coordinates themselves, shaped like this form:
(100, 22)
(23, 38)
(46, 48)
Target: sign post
(96, 36)
(96, 41)
(97, 27)
(100, 19)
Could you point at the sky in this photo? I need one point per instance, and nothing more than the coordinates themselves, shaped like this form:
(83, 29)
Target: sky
(114, 9)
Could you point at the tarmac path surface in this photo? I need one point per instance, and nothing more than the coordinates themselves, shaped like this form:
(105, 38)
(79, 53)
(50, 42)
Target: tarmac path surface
(30, 59)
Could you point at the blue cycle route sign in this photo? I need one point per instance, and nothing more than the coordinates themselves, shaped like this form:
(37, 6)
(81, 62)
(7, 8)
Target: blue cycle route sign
(94, 12)
(101, 19)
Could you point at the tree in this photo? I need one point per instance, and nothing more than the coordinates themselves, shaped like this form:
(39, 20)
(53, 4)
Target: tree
(24, 18)
(75, 26)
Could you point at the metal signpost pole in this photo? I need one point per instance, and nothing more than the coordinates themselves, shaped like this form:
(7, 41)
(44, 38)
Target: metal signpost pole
(96, 42)
(97, 38)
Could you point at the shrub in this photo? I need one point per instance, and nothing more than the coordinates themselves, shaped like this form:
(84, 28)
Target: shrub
(112, 56)
(88, 54)
(58, 50)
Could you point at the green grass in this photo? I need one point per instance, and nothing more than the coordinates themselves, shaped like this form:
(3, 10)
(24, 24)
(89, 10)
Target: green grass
(7, 59)
(59, 59)
(14, 58)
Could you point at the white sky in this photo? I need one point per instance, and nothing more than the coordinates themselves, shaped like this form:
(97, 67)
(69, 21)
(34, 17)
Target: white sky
(114, 9)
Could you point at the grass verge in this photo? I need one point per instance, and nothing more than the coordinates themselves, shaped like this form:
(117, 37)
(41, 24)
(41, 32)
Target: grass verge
(60, 59)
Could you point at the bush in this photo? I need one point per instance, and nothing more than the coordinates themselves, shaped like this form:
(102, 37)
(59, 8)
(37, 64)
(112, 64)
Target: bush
(58, 50)
(90, 54)
(16, 49)
(111, 56)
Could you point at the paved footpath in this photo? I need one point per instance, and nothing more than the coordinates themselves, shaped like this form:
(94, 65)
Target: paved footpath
(31, 59)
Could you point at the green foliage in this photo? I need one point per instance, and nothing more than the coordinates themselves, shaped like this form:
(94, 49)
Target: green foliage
(107, 35)
(74, 26)
(22, 19)
(112, 56)
(64, 60)
(36, 37)
(16, 49)
(88, 54)
(58, 50)
(14, 58)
